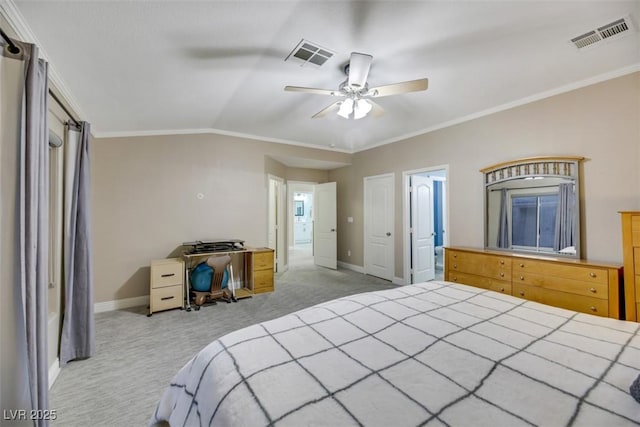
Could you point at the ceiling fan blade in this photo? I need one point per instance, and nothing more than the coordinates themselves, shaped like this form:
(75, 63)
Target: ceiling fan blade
(359, 66)
(312, 90)
(396, 88)
(327, 110)
(376, 109)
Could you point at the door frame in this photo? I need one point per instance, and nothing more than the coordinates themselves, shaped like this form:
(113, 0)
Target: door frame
(391, 175)
(406, 214)
(281, 221)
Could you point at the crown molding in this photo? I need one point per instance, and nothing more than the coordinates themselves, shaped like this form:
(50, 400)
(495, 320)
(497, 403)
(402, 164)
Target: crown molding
(19, 25)
(527, 100)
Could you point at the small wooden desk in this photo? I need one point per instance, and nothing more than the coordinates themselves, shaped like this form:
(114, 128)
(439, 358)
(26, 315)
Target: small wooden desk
(256, 274)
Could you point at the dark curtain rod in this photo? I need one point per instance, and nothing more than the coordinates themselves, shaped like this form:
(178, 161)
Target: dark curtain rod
(520, 188)
(71, 119)
(12, 46)
(14, 49)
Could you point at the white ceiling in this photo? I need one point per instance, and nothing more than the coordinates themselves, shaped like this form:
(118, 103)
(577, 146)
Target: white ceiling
(164, 67)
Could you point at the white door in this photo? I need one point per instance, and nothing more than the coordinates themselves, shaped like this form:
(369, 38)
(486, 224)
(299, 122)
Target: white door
(422, 233)
(378, 226)
(272, 215)
(325, 240)
(275, 235)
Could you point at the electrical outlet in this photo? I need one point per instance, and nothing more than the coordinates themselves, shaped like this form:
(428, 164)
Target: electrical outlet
(349, 253)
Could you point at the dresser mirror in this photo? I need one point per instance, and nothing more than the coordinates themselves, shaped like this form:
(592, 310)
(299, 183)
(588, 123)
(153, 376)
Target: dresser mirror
(532, 205)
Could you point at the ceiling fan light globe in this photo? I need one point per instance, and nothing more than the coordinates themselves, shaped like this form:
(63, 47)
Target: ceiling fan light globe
(361, 109)
(346, 108)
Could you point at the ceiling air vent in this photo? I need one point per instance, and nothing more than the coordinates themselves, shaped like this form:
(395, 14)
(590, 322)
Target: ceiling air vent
(308, 53)
(611, 31)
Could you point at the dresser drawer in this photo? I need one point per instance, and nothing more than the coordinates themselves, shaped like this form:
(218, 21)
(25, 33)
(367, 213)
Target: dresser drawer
(166, 298)
(583, 304)
(636, 260)
(596, 290)
(576, 272)
(635, 230)
(479, 264)
(166, 274)
(262, 281)
(262, 260)
(479, 281)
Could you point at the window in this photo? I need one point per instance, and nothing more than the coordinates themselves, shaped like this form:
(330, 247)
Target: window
(534, 221)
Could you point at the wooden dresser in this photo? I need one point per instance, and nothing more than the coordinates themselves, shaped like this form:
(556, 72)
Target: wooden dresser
(631, 254)
(579, 285)
(166, 288)
(260, 269)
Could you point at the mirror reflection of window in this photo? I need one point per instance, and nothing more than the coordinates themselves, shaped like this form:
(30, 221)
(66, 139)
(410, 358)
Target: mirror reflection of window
(299, 207)
(532, 205)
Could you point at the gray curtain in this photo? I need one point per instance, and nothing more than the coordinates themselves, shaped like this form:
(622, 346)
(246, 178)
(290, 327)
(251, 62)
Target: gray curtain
(78, 335)
(34, 226)
(565, 224)
(503, 225)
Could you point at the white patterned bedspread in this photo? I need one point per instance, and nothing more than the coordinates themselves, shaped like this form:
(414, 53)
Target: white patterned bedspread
(430, 354)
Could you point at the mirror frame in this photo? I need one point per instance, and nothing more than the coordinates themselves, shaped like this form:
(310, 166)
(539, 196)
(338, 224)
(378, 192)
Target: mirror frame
(565, 167)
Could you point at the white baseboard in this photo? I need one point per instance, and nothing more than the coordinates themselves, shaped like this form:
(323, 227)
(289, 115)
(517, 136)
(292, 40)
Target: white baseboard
(398, 281)
(119, 304)
(352, 267)
(54, 371)
(359, 269)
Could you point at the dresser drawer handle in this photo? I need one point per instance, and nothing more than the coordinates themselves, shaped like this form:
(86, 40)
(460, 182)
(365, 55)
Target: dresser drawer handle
(522, 293)
(521, 265)
(168, 275)
(501, 289)
(592, 308)
(521, 277)
(592, 274)
(501, 274)
(167, 298)
(455, 255)
(502, 262)
(455, 279)
(592, 290)
(455, 265)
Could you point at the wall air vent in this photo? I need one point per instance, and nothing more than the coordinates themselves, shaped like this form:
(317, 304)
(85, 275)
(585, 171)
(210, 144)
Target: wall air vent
(614, 30)
(308, 53)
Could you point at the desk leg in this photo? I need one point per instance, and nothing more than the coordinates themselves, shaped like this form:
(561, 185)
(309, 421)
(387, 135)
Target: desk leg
(187, 285)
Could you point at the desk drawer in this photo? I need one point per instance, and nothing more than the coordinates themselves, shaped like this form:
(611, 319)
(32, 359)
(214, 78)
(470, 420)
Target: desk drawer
(166, 274)
(263, 260)
(583, 304)
(166, 298)
(263, 281)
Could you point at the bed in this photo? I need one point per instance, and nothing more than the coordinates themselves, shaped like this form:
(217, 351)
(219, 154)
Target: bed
(430, 354)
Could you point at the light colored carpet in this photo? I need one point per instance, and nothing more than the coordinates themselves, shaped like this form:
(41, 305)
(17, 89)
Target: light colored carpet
(137, 356)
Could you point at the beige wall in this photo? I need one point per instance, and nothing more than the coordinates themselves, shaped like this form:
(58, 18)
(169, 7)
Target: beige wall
(145, 188)
(600, 122)
(145, 199)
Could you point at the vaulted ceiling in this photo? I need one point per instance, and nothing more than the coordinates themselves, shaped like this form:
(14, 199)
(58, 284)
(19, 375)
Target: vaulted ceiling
(171, 67)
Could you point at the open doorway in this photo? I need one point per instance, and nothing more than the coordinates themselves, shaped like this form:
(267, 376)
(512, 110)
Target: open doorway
(301, 209)
(425, 223)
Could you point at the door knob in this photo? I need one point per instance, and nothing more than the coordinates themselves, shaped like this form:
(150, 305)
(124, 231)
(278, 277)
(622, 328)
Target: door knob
(333, 229)
(388, 234)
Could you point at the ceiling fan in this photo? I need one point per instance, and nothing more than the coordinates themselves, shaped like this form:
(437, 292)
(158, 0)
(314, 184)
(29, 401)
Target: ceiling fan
(357, 95)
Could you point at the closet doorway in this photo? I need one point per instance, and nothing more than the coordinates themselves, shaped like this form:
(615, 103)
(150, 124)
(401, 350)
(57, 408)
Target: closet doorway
(425, 223)
(301, 217)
